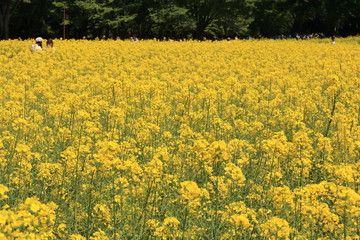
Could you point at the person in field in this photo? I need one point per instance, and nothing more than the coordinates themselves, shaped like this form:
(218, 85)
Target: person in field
(38, 44)
(332, 40)
(49, 43)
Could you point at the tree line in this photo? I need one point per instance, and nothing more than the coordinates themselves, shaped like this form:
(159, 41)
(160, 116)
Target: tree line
(176, 19)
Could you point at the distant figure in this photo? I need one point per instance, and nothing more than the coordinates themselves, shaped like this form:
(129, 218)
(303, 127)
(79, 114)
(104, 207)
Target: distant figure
(118, 38)
(38, 44)
(333, 40)
(228, 39)
(134, 39)
(50, 43)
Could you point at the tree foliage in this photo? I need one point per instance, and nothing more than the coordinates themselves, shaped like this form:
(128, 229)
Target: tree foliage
(176, 18)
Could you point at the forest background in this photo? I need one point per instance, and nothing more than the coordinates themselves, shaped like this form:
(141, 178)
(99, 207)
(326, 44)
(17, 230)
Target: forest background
(176, 19)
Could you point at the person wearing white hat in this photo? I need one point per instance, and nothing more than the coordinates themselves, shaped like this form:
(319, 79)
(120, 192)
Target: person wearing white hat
(38, 44)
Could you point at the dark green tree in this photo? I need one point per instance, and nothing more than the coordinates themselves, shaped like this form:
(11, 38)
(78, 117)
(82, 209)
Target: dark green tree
(7, 9)
(203, 12)
(234, 20)
(176, 18)
(168, 20)
(338, 12)
(272, 17)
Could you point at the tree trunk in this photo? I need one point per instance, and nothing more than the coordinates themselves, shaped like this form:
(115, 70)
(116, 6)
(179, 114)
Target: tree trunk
(1, 26)
(4, 22)
(6, 11)
(4, 26)
(201, 25)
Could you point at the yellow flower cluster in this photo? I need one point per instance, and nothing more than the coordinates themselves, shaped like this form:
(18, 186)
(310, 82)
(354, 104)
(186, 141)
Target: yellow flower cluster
(180, 140)
(275, 228)
(30, 220)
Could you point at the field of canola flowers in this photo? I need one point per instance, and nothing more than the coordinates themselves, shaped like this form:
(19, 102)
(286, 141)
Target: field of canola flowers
(180, 140)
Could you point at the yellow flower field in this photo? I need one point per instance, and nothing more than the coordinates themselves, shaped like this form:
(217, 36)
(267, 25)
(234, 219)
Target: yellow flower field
(180, 140)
